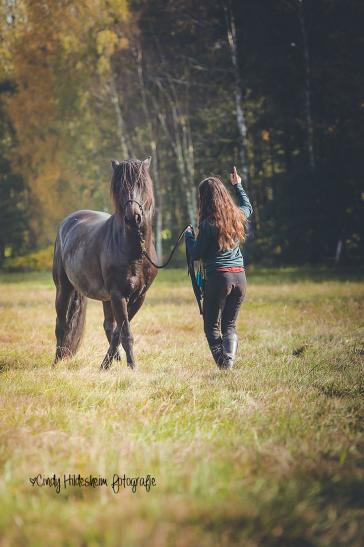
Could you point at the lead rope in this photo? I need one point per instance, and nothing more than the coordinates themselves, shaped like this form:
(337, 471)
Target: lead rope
(144, 250)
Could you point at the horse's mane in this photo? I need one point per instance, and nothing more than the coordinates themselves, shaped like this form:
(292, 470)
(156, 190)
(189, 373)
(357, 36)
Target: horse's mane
(131, 177)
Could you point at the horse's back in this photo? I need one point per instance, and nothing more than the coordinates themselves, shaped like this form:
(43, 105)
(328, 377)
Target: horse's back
(81, 237)
(84, 221)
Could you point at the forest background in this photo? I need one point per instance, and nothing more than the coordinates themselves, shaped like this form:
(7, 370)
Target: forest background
(276, 88)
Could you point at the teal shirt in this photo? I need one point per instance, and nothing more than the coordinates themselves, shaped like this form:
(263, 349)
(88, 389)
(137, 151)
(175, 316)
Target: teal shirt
(205, 247)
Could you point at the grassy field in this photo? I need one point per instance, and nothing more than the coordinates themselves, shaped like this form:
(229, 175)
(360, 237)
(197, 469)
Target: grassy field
(270, 453)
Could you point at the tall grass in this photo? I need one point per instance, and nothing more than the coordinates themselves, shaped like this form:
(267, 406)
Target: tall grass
(270, 453)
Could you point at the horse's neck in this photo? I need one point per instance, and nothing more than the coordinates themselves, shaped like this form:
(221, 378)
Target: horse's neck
(129, 239)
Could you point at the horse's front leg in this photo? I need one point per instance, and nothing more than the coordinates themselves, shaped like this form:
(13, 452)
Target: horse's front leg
(110, 325)
(127, 339)
(121, 333)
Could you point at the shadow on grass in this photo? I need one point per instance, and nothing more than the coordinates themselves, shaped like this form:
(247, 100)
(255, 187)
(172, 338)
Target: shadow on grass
(291, 522)
(330, 390)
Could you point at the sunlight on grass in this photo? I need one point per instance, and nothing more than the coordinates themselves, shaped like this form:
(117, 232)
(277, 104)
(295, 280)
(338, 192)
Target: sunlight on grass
(269, 453)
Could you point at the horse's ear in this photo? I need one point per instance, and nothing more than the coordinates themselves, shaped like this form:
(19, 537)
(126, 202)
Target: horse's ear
(115, 163)
(147, 161)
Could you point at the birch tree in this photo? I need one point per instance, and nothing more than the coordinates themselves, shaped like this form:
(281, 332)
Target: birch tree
(240, 114)
(154, 148)
(175, 122)
(107, 42)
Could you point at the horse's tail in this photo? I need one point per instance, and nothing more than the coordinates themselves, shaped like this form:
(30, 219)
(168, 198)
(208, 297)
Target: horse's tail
(75, 323)
(70, 307)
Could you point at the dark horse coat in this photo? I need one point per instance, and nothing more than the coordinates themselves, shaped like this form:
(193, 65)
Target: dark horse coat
(97, 255)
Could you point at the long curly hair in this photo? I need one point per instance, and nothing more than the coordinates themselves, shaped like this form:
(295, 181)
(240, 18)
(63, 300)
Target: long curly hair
(217, 206)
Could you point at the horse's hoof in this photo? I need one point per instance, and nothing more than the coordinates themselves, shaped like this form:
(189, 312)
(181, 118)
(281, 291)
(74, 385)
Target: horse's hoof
(58, 356)
(117, 356)
(105, 365)
(132, 366)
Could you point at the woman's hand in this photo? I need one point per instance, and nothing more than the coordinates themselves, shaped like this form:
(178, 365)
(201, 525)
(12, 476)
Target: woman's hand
(189, 232)
(234, 177)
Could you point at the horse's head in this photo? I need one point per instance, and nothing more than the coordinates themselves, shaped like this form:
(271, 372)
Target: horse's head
(132, 192)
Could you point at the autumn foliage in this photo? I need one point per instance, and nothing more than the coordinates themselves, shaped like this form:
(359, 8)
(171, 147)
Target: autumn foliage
(84, 82)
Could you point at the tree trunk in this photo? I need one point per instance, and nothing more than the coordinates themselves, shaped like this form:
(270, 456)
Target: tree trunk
(120, 123)
(339, 248)
(307, 89)
(181, 141)
(240, 116)
(155, 163)
(158, 202)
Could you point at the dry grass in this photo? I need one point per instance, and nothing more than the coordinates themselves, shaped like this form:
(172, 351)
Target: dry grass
(270, 453)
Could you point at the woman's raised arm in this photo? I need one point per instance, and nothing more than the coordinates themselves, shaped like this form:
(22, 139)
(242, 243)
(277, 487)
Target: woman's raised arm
(244, 203)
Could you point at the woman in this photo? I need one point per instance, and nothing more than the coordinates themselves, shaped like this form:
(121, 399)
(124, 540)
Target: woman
(222, 227)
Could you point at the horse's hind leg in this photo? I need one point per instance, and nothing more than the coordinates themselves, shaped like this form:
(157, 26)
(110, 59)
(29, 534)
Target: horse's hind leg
(70, 309)
(110, 325)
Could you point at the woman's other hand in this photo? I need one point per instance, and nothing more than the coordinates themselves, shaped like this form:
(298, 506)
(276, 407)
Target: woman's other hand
(234, 177)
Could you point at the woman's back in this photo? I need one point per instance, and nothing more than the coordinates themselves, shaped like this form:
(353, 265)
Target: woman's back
(206, 246)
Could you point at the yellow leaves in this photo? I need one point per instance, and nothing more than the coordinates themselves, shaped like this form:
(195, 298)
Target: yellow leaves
(70, 43)
(107, 12)
(119, 9)
(166, 234)
(265, 135)
(52, 53)
(84, 98)
(103, 66)
(106, 41)
(123, 43)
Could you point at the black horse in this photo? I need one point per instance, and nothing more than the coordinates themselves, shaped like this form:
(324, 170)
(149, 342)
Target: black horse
(99, 256)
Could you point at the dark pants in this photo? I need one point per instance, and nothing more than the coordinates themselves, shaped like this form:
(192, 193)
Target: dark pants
(224, 293)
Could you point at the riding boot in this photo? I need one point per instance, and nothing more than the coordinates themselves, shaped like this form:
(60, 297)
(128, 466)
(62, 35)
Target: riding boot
(218, 353)
(230, 345)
